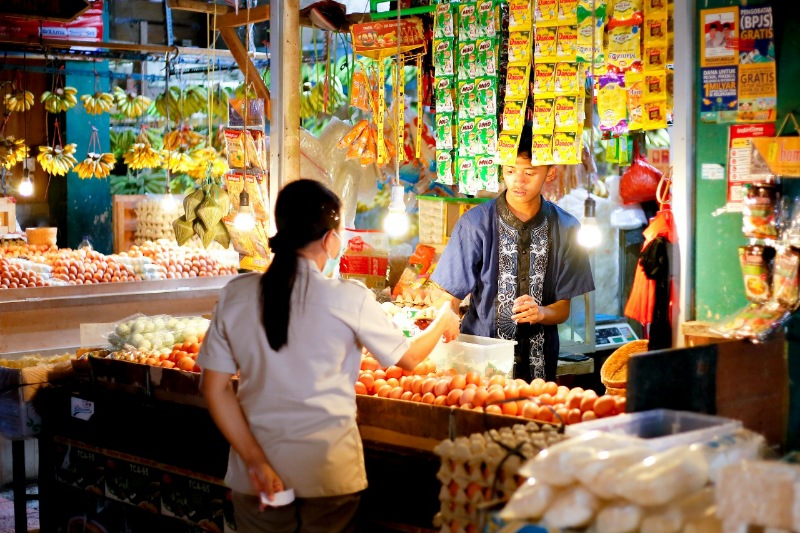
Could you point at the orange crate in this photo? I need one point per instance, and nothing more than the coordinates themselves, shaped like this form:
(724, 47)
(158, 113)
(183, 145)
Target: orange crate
(8, 216)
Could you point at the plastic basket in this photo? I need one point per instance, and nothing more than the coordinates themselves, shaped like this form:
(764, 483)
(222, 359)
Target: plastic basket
(485, 355)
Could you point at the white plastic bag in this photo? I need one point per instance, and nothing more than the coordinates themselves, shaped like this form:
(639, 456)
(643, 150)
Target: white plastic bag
(529, 502)
(663, 477)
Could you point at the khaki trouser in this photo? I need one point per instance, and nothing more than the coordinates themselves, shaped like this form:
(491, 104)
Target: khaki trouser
(335, 514)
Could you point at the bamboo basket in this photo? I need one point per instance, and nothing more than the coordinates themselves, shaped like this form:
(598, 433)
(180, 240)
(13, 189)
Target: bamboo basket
(614, 373)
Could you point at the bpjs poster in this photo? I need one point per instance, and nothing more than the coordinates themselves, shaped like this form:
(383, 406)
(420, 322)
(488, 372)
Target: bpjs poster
(737, 59)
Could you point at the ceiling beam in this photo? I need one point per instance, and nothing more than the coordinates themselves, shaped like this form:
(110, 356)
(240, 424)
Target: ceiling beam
(245, 16)
(246, 65)
(198, 6)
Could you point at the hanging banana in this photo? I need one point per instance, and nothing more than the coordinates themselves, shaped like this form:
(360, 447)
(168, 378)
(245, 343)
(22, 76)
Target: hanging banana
(130, 104)
(203, 157)
(57, 160)
(183, 136)
(96, 165)
(142, 155)
(97, 103)
(19, 101)
(60, 100)
(12, 151)
(178, 161)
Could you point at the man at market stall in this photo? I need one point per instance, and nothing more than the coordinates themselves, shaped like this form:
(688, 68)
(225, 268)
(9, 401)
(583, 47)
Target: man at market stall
(518, 257)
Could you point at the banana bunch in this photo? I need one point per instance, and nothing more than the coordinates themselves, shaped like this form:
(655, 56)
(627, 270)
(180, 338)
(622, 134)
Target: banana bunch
(170, 100)
(60, 100)
(657, 138)
(12, 151)
(194, 99)
(131, 105)
(203, 157)
(312, 102)
(19, 101)
(183, 136)
(96, 165)
(178, 160)
(239, 92)
(97, 103)
(219, 104)
(57, 160)
(142, 155)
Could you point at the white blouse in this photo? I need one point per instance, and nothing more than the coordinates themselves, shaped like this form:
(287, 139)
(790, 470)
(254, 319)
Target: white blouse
(300, 401)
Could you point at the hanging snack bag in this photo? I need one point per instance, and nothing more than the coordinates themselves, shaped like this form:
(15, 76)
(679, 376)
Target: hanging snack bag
(467, 99)
(566, 148)
(234, 143)
(468, 145)
(785, 278)
(545, 12)
(655, 29)
(628, 11)
(541, 149)
(467, 60)
(755, 322)
(544, 49)
(519, 15)
(567, 44)
(444, 57)
(655, 57)
(544, 81)
(257, 202)
(445, 92)
(543, 115)
(519, 48)
(517, 82)
(612, 103)
(507, 145)
(655, 7)
(467, 21)
(359, 91)
(755, 261)
(487, 18)
(655, 86)
(487, 56)
(583, 50)
(624, 48)
(586, 8)
(486, 90)
(466, 173)
(445, 122)
(566, 78)
(444, 24)
(655, 115)
(759, 214)
(486, 130)
(567, 12)
(444, 167)
(566, 113)
(514, 116)
(634, 82)
(487, 173)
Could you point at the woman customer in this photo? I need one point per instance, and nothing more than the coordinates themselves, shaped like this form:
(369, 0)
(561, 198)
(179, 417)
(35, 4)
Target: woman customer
(295, 336)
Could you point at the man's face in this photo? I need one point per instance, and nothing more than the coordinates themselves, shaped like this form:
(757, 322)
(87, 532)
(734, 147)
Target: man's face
(712, 32)
(726, 32)
(525, 181)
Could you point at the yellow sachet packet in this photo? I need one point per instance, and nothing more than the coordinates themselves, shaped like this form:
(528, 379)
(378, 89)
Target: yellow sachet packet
(543, 116)
(542, 149)
(655, 86)
(544, 81)
(634, 83)
(567, 44)
(565, 109)
(655, 57)
(545, 12)
(566, 148)
(517, 82)
(514, 116)
(566, 78)
(507, 144)
(519, 15)
(624, 48)
(655, 115)
(544, 49)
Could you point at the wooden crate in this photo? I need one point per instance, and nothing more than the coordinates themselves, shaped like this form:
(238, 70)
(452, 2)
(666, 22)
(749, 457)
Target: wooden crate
(8, 216)
(124, 220)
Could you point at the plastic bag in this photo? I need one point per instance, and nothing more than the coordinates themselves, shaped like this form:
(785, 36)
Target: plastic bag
(529, 502)
(599, 473)
(573, 508)
(755, 322)
(640, 182)
(619, 517)
(153, 333)
(671, 518)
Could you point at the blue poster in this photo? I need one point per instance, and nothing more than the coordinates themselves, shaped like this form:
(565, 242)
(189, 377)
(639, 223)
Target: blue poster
(756, 41)
(719, 94)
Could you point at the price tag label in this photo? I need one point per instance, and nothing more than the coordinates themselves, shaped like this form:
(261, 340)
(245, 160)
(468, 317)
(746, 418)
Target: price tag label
(81, 409)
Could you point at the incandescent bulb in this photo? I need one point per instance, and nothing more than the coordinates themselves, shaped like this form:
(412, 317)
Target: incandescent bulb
(26, 185)
(589, 235)
(396, 223)
(244, 220)
(169, 203)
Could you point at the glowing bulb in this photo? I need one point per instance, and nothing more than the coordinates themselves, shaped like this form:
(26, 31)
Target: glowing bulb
(169, 203)
(589, 235)
(244, 220)
(26, 185)
(396, 223)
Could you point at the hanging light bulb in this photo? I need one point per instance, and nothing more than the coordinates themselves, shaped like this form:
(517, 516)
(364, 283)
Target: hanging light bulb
(396, 222)
(244, 221)
(589, 235)
(169, 203)
(26, 185)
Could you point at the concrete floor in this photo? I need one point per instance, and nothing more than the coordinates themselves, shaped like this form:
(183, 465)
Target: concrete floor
(7, 510)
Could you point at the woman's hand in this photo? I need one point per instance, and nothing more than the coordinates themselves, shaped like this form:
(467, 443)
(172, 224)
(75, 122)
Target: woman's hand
(265, 480)
(449, 322)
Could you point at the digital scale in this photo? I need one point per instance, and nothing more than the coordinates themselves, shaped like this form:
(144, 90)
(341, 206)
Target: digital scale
(613, 335)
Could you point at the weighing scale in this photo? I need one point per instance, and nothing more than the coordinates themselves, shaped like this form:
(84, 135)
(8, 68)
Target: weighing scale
(613, 335)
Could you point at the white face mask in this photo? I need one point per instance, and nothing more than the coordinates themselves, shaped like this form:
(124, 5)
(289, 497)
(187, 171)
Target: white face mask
(333, 262)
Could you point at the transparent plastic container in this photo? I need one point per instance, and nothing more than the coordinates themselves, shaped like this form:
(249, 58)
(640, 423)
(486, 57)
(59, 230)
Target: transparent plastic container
(661, 429)
(485, 355)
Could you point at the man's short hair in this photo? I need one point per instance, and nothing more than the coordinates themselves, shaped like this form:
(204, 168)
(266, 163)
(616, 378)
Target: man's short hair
(526, 141)
(727, 26)
(714, 26)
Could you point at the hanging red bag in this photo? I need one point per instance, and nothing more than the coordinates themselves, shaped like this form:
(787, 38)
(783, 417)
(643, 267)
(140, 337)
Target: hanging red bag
(640, 182)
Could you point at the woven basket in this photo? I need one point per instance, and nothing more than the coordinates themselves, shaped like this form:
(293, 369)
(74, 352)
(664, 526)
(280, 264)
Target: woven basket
(614, 373)
(41, 236)
(616, 392)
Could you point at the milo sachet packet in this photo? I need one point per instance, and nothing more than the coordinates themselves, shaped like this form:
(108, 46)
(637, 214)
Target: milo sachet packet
(486, 129)
(444, 57)
(468, 144)
(444, 23)
(519, 48)
(486, 91)
(444, 167)
(445, 124)
(487, 56)
(487, 18)
(445, 94)
(543, 116)
(467, 60)
(544, 48)
(514, 116)
(467, 99)
(466, 174)
(487, 172)
(519, 15)
(542, 149)
(544, 81)
(507, 145)
(468, 21)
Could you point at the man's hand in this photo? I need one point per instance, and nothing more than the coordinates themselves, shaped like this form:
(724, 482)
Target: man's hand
(264, 479)
(526, 311)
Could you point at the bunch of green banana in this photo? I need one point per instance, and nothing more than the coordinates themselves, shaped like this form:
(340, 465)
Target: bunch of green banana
(312, 102)
(219, 104)
(57, 160)
(96, 165)
(121, 141)
(60, 100)
(97, 103)
(12, 151)
(204, 207)
(130, 104)
(142, 155)
(18, 101)
(239, 92)
(169, 100)
(194, 99)
(657, 138)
